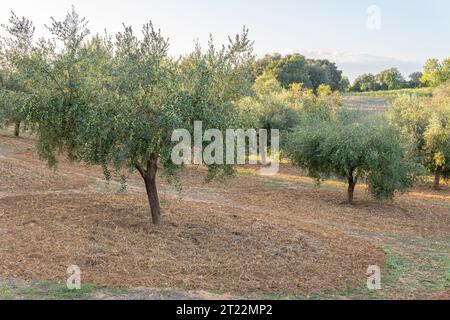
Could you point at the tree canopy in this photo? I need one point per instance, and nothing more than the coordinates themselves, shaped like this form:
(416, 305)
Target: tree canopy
(365, 82)
(390, 79)
(16, 49)
(353, 150)
(295, 68)
(274, 107)
(414, 80)
(423, 124)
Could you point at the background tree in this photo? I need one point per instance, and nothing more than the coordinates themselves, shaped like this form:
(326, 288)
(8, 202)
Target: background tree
(364, 83)
(15, 51)
(317, 76)
(437, 135)
(291, 69)
(13, 105)
(414, 80)
(344, 85)
(264, 64)
(352, 150)
(273, 106)
(116, 104)
(390, 79)
(410, 116)
(435, 72)
(324, 72)
(295, 68)
(437, 146)
(423, 124)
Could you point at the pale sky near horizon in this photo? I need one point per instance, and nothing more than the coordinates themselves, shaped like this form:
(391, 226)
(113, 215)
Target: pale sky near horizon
(411, 31)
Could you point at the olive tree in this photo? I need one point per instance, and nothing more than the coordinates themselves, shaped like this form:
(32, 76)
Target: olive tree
(365, 82)
(156, 95)
(116, 103)
(410, 116)
(325, 72)
(437, 135)
(414, 80)
(353, 150)
(279, 108)
(435, 72)
(273, 106)
(437, 147)
(423, 124)
(15, 51)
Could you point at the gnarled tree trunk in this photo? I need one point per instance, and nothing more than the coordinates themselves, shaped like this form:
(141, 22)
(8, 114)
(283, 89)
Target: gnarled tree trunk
(437, 181)
(149, 176)
(17, 129)
(351, 186)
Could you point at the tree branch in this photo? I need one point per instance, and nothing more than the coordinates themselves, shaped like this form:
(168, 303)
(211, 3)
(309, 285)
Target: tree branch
(140, 169)
(54, 80)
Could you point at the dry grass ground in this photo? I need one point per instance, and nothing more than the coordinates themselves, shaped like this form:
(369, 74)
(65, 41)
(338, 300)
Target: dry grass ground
(251, 236)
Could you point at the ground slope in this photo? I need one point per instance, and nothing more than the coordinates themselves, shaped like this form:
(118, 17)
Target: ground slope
(252, 236)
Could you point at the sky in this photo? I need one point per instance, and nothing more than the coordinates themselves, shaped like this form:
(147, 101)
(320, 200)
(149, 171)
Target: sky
(360, 36)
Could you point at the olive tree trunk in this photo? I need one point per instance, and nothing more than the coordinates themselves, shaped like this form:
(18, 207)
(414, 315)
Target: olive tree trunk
(149, 176)
(437, 181)
(351, 187)
(17, 129)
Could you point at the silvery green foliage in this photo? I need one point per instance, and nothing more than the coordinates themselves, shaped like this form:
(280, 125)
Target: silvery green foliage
(116, 101)
(358, 148)
(16, 49)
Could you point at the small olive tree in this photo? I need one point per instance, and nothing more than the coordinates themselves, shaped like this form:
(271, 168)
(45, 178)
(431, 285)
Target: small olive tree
(15, 51)
(424, 124)
(437, 148)
(390, 79)
(352, 150)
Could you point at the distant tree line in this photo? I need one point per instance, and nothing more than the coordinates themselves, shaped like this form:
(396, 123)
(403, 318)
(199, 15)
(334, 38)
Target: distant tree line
(434, 74)
(390, 79)
(312, 73)
(295, 68)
